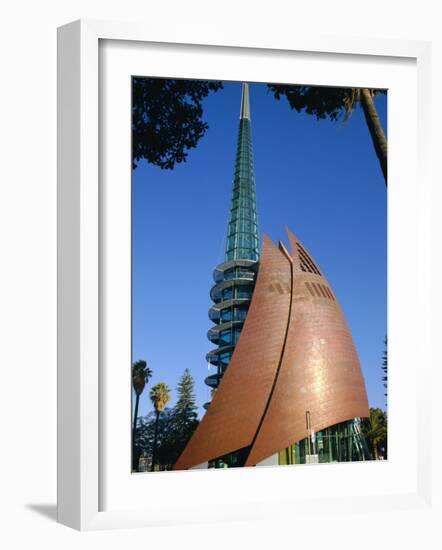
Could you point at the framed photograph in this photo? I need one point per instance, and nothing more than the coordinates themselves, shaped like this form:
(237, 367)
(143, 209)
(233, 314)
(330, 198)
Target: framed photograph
(227, 261)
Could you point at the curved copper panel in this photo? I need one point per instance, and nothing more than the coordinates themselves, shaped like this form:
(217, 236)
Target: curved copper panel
(238, 405)
(320, 369)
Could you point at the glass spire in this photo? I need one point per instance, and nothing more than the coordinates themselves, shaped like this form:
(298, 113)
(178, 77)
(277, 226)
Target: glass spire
(242, 234)
(235, 277)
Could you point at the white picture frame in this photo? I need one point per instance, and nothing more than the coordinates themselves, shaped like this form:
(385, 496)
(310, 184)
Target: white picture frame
(80, 438)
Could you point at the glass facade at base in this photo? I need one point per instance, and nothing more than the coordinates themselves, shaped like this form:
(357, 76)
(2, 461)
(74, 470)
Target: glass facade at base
(342, 442)
(231, 460)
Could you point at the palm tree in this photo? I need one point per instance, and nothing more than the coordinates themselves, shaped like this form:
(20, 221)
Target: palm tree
(364, 96)
(375, 429)
(141, 374)
(160, 396)
(334, 103)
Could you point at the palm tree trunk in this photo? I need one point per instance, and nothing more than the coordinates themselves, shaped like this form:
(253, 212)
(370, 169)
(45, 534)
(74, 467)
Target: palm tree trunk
(155, 438)
(135, 456)
(375, 450)
(375, 129)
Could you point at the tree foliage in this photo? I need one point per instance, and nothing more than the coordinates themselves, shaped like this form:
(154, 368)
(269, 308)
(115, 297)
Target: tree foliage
(145, 437)
(174, 427)
(141, 374)
(185, 417)
(160, 396)
(185, 408)
(320, 101)
(375, 430)
(167, 118)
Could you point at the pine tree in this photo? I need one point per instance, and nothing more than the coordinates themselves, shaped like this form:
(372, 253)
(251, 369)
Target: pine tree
(385, 370)
(185, 407)
(185, 415)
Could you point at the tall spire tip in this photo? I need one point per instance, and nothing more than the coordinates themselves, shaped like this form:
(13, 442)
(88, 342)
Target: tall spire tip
(245, 102)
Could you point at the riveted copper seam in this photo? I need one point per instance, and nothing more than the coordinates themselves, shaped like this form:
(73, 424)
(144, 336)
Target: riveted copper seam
(295, 354)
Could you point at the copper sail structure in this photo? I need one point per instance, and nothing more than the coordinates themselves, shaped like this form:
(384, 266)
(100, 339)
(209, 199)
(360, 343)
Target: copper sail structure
(294, 370)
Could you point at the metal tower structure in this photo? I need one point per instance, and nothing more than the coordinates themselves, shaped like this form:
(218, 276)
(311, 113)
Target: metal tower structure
(235, 277)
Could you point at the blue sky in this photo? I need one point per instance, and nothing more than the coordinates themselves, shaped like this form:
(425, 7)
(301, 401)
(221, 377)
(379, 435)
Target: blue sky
(320, 178)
